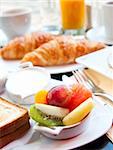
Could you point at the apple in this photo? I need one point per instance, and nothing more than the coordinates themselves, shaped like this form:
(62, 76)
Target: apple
(58, 96)
(70, 97)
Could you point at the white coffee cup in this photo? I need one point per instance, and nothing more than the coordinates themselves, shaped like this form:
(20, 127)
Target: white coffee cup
(15, 22)
(108, 19)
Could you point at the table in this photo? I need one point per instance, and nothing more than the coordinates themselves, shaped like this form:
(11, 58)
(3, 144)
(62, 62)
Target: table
(103, 143)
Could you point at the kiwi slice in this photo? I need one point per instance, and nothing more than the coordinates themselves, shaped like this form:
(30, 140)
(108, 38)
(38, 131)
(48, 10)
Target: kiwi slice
(44, 119)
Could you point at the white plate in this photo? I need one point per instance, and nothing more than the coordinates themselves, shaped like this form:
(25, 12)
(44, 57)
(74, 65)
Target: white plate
(12, 65)
(62, 68)
(98, 61)
(100, 123)
(98, 34)
(8, 65)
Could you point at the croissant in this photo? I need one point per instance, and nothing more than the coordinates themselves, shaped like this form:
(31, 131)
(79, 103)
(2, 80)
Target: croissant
(18, 47)
(61, 51)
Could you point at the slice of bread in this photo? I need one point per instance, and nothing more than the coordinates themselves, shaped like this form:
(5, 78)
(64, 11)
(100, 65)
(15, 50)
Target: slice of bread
(14, 135)
(12, 117)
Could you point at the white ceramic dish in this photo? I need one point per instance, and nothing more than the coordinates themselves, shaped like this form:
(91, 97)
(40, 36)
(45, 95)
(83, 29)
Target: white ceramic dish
(12, 65)
(62, 68)
(65, 132)
(22, 84)
(98, 61)
(100, 123)
(98, 34)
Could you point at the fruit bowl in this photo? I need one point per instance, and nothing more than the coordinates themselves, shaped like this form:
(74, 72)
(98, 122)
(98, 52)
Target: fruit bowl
(65, 132)
(66, 111)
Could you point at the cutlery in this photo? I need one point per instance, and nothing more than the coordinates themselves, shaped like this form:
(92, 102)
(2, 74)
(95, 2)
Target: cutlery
(69, 81)
(82, 78)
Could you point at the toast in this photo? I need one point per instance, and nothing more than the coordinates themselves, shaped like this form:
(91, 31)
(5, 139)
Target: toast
(12, 118)
(14, 135)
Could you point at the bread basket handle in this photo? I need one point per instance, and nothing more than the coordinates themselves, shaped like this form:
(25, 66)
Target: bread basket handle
(25, 65)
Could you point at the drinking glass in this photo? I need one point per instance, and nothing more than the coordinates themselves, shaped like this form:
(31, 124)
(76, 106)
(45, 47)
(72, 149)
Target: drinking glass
(49, 11)
(97, 14)
(72, 16)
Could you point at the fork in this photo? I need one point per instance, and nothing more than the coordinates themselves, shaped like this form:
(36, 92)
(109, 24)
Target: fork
(82, 78)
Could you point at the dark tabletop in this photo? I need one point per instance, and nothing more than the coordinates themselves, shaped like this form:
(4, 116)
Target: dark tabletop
(102, 143)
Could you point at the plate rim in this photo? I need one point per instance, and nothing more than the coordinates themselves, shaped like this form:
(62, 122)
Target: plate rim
(80, 61)
(50, 69)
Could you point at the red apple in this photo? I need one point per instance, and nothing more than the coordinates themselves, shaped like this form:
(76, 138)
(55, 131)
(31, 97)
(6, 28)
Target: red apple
(68, 97)
(58, 96)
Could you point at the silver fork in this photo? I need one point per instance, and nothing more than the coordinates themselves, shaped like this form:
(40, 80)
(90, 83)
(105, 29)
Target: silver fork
(82, 78)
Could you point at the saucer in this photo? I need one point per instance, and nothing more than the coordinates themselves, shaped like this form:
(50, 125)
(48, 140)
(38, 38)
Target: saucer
(98, 34)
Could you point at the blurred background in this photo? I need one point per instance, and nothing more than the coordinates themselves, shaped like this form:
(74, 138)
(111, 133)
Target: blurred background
(42, 10)
(45, 10)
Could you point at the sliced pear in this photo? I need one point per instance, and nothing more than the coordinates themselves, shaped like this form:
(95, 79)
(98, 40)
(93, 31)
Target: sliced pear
(52, 110)
(79, 112)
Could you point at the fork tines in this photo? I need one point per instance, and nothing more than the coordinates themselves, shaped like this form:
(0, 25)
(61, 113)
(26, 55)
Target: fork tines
(81, 78)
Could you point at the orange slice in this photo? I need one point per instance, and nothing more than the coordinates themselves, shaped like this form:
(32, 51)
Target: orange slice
(40, 97)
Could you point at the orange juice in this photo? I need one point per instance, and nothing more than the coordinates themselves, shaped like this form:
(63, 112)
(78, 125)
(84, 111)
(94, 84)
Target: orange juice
(73, 13)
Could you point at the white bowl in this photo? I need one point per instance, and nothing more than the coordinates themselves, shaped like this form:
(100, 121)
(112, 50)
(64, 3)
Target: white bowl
(64, 132)
(24, 83)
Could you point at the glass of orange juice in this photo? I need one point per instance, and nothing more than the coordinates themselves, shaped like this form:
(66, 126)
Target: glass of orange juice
(72, 16)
